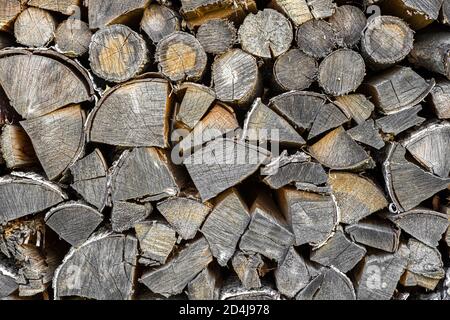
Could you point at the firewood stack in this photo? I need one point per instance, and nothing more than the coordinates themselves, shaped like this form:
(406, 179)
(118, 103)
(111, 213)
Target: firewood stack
(292, 149)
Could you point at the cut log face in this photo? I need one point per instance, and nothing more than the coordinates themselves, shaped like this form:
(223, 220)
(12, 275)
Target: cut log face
(445, 13)
(356, 196)
(10, 10)
(355, 106)
(225, 225)
(236, 77)
(328, 117)
(321, 9)
(8, 279)
(16, 148)
(294, 70)
(117, 12)
(266, 34)
(125, 215)
(159, 21)
(101, 268)
(367, 133)
(185, 215)
(42, 74)
(233, 290)
(312, 216)
(66, 7)
(398, 122)
(56, 155)
(217, 36)
(440, 99)
(34, 27)
(296, 10)
(248, 268)
(72, 37)
(316, 38)
(206, 286)
(417, 13)
(175, 275)
(74, 222)
(134, 114)
(348, 22)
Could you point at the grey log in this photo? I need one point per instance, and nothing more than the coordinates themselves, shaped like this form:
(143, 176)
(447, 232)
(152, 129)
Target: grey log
(316, 38)
(125, 215)
(159, 21)
(367, 134)
(217, 36)
(398, 122)
(248, 267)
(348, 22)
(440, 99)
(294, 70)
(16, 148)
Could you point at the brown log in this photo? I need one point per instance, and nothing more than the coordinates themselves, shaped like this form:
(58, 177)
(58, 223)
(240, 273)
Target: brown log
(206, 286)
(217, 36)
(440, 99)
(159, 21)
(9, 12)
(72, 37)
(355, 106)
(296, 10)
(34, 27)
(249, 268)
(67, 7)
(116, 12)
(16, 148)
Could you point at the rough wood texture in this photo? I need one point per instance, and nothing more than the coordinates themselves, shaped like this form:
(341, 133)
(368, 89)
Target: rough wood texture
(348, 22)
(417, 13)
(9, 12)
(206, 286)
(232, 290)
(355, 106)
(66, 7)
(248, 267)
(34, 27)
(72, 37)
(101, 15)
(321, 9)
(15, 148)
(159, 21)
(328, 117)
(296, 10)
(445, 13)
(294, 70)
(217, 36)
(8, 278)
(440, 99)
(125, 215)
(267, 34)
(398, 122)
(367, 133)
(316, 38)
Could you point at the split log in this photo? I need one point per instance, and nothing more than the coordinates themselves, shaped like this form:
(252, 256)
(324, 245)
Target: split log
(175, 275)
(8, 278)
(316, 38)
(336, 78)
(101, 15)
(225, 225)
(321, 9)
(185, 215)
(236, 78)
(357, 197)
(328, 117)
(66, 7)
(440, 99)
(408, 185)
(57, 155)
(294, 70)
(311, 216)
(296, 10)
(397, 89)
(10, 10)
(72, 37)
(445, 13)
(206, 286)
(159, 21)
(348, 22)
(398, 122)
(232, 290)
(34, 27)
(73, 221)
(180, 56)
(125, 215)
(222, 164)
(432, 51)
(266, 34)
(117, 53)
(309, 187)
(337, 150)
(248, 267)
(367, 133)
(16, 148)
(355, 106)
(375, 233)
(268, 232)
(386, 41)
(101, 268)
(217, 36)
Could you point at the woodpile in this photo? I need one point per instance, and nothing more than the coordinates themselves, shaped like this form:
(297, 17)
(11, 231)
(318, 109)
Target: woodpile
(225, 149)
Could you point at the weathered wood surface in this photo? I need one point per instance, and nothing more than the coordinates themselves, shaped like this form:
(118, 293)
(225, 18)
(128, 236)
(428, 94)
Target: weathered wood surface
(294, 70)
(115, 12)
(72, 37)
(328, 117)
(440, 99)
(66, 7)
(125, 215)
(10, 10)
(348, 22)
(34, 27)
(322, 35)
(159, 21)
(217, 36)
(398, 122)
(16, 148)
(248, 268)
(206, 286)
(296, 10)
(355, 106)
(367, 134)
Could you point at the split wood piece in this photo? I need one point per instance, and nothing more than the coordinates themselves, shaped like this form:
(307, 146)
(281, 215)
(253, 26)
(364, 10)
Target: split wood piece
(42, 74)
(321, 9)
(233, 290)
(445, 13)
(180, 56)
(206, 286)
(8, 278)
(440, 99)
(5, 40)
(309, 187)
(174, 276)
(296, 10)
(236, 78)
(397, 89)
(222, 164)
(330, 284)
(408, 184)
(299, 107)
(446, 210)
(425, 225)
(125, 215)
(287, 169)
(375, 233)
(217, 36)
(266, 34)
(432, 51)
(337, 150)
(10, 10)
(328, 117)
(355, 106)
(67, 7)
(90, 179)
(197, 13)
(101, 15)
(102, 268)
(156, 241)
(73, 221)
(316, 38)
(294, 70)
(72, 37)
(379, 274)
(311, 216)
(357, 197)
(159, 21)
(34, 27)
(225, 225)
(133, 114)
(196, 100)
(145, 174)
(248, 267)
(398, 122)
(263, 124)
(418, 14)
(292, 274)
(117, 53)
(386, 41)
(16, 148)
(185, 215)
(268, 232)
(367, 133)
(58, 139)
(348, 22)
(430, 145)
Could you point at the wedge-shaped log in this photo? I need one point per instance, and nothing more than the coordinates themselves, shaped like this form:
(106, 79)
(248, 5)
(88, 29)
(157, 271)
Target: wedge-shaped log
(101, 15)
(440, 99)
(67, 7)
(417, 13)
(206, 286)
(294, 70)
(316, 38)
(217, 35)
(367, 133)
(72, 37)
(348, 22)
(159, 21)
(125, 215)
(398, 122)
(16, 148)
(249, 268)
(355, 106)
(328, 117)
(296, 10)
(34, 27)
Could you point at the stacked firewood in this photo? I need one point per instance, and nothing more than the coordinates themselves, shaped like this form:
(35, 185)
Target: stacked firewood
(225, 149)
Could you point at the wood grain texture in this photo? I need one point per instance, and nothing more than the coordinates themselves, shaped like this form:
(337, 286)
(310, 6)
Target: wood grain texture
(440, 99)
(367, 134)
(125, 215)
(417, 13)
(9, 12)
(296, 10)
(72, 37)
(66, 7)
(34, 27)
(355, 106)
(321, 9)
(316, 38)
(328, 117)
(348, 22)
(102, 13)
(16, 148)
(159, 21)
(294, 70)
(445, 13)
(217, 36)
(398, 122)
(248, 268)
(8, 277)
(206, 286)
